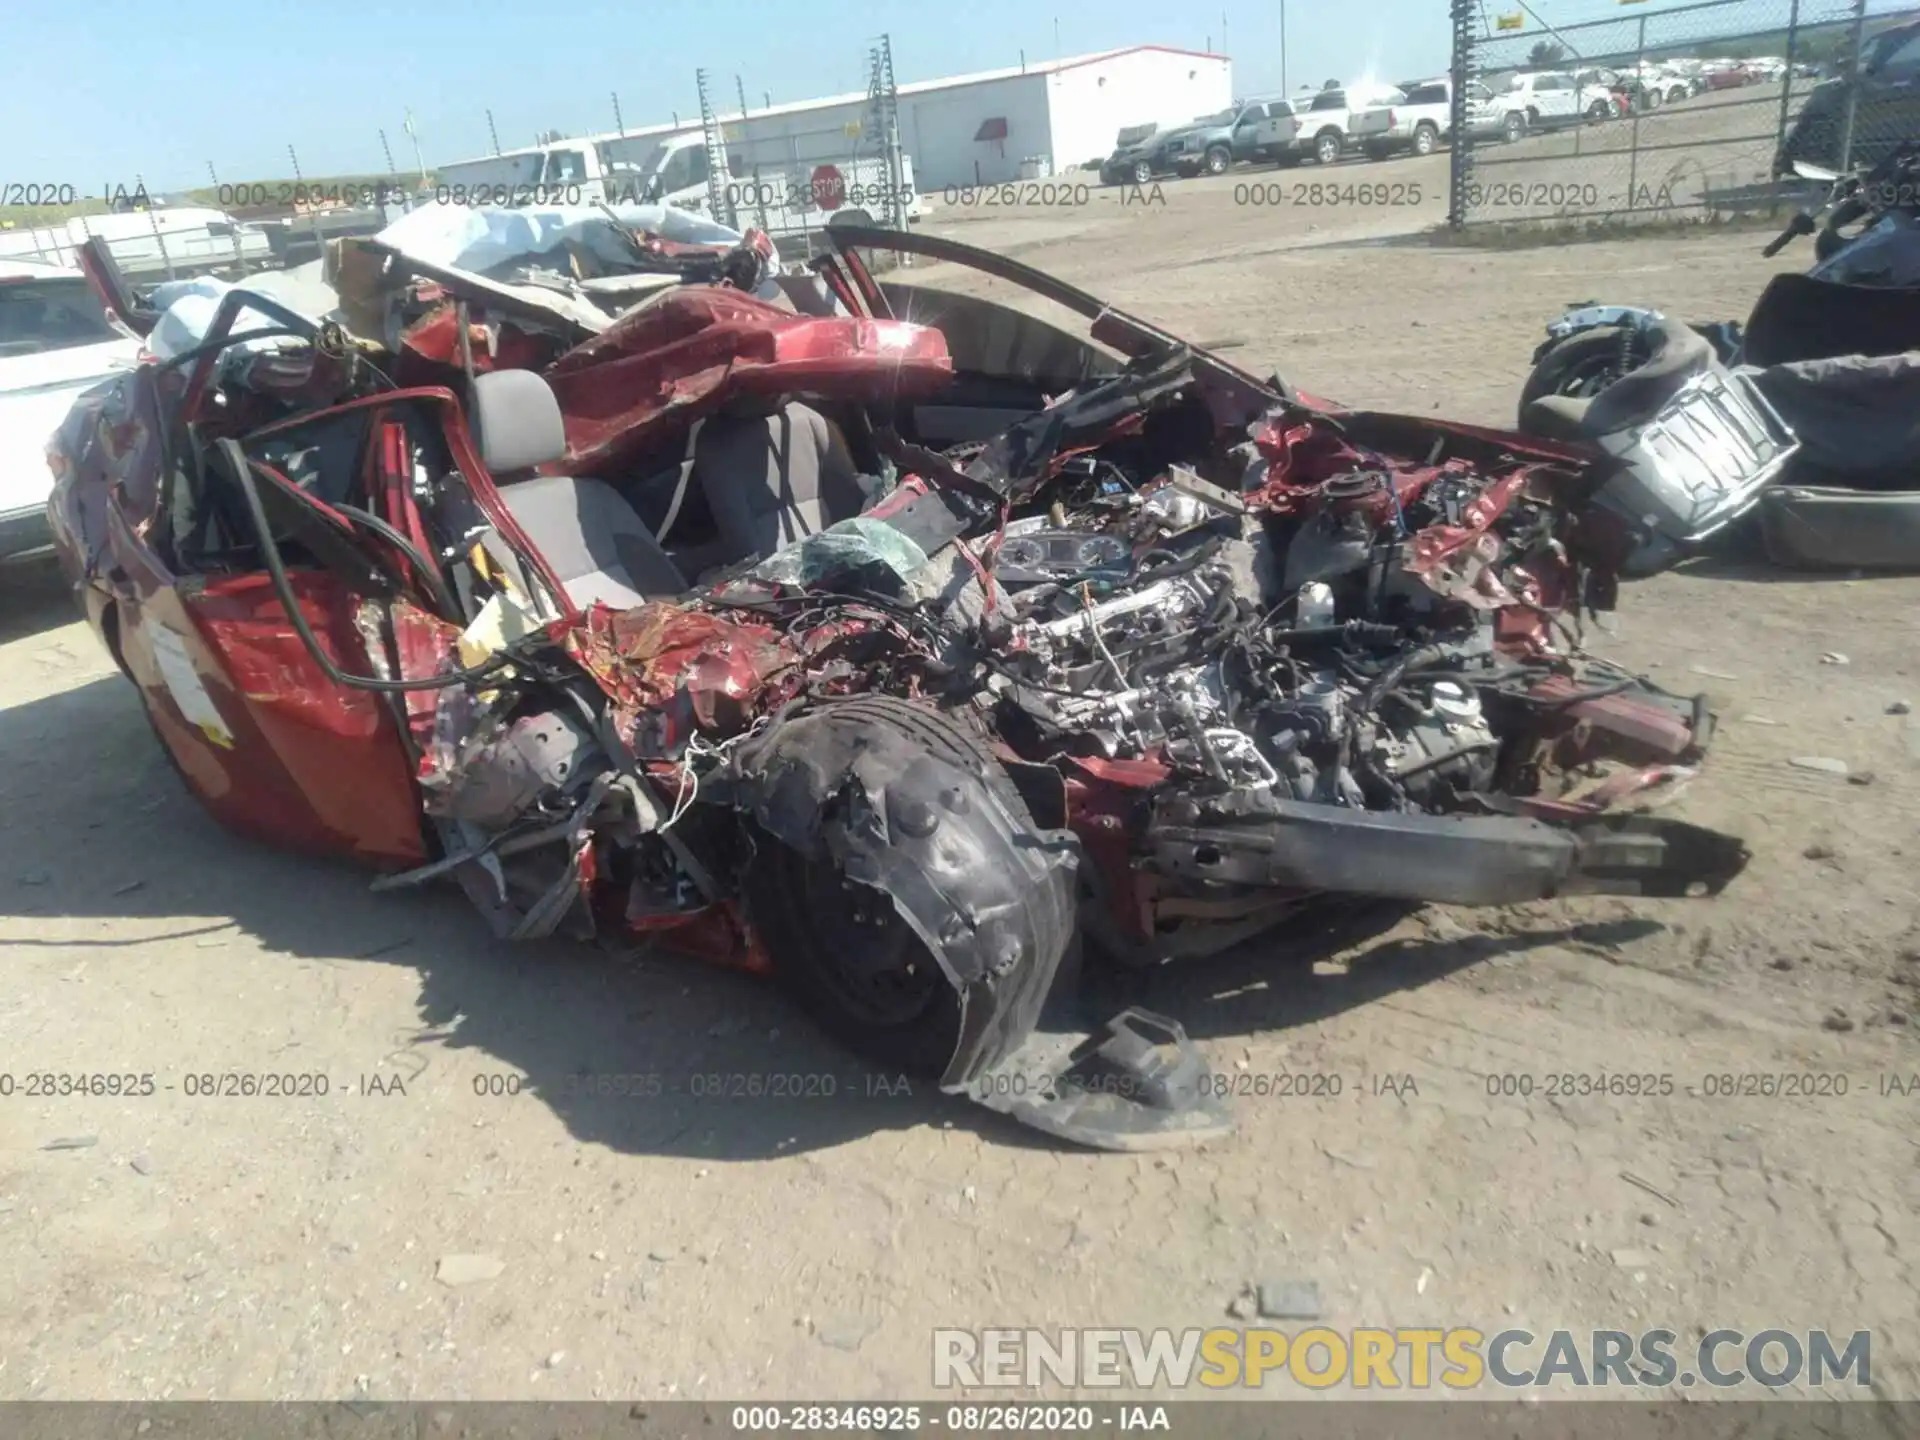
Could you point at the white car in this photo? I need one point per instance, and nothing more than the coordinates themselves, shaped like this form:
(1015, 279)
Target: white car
(54, 343)
(1550, 98)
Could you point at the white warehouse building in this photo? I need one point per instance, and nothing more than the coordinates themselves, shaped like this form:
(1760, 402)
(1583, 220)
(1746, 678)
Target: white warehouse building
(977, 129)
(972, 129)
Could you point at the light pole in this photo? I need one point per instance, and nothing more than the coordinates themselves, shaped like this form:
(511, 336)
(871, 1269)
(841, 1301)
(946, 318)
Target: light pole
(414, 135)
(1283, 47)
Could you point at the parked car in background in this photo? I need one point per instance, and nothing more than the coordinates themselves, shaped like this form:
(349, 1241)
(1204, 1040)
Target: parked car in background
(1209, 144)
(1730, 77)
(1420, 117)
(1666, 83)
(1340, 119)
(55, 342)
(1886, 107)
(1552, 98)
(1131, 146)
(1624, 92)
(1274, 134)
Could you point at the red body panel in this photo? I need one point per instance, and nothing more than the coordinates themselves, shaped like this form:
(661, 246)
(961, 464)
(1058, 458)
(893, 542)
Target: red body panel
(686, 352)
(303, 762)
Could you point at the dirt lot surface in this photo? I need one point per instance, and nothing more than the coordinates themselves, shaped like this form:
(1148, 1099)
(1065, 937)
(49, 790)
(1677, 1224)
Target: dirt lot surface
(413, 1233)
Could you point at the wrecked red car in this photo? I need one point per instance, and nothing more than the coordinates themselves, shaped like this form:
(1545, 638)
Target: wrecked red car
(881, 638)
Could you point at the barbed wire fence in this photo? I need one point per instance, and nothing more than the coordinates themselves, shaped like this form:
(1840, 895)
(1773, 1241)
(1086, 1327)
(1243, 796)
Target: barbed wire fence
(1690, 112)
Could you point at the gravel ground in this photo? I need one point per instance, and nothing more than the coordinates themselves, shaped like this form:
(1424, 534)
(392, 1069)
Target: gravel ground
(434, 1228)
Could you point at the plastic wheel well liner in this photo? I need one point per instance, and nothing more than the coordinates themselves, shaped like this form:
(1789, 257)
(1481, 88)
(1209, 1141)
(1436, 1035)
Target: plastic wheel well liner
(904, 801)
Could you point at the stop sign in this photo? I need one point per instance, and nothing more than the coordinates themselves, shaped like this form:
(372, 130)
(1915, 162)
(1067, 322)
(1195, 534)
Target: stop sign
(829, 188)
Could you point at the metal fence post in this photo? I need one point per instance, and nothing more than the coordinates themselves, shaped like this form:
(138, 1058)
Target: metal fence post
(299, 189)
(1786, 82)
(759, 190)
(1460, 152)
(153, 224)
(1853, 84)
(239, 259)
(1639, 82)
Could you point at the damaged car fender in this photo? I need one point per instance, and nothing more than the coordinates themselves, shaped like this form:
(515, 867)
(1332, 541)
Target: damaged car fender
(905, 828)
(925, 834)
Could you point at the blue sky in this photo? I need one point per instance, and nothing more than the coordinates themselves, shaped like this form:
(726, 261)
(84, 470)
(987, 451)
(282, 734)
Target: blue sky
(99, 91)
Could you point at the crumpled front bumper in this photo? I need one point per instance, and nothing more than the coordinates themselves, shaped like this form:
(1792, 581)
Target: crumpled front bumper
(1451, 859)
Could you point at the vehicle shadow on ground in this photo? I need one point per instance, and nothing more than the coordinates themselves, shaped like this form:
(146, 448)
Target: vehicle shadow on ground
(33, 598)
(1757, 570)
(648, 1053)
(1271, 983)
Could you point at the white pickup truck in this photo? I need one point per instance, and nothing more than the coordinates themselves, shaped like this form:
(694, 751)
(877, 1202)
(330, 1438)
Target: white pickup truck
(788, 198)
(1421, 117)
(1334, 122)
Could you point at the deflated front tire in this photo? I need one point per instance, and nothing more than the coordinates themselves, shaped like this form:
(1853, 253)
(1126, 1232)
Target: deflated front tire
(901, 886)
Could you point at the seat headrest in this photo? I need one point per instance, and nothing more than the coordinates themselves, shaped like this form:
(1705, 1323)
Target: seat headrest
(515, 421)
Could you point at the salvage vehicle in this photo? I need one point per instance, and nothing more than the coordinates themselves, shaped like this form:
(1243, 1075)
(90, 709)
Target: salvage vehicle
(1803, 415)
(1273, 135)
(1871, 116)
(764, 178)
(1551, 99)
(886, 640)
(1209, 145)
(1420, 117)
(1342, 119)
(54, 343)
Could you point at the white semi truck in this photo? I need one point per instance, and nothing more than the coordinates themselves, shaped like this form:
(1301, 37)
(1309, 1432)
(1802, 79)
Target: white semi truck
(742, 173)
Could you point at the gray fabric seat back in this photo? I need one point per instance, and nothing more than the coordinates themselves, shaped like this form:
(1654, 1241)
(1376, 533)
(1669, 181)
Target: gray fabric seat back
(589, 536)
(515, 420)
(771, 480)
(593, 541)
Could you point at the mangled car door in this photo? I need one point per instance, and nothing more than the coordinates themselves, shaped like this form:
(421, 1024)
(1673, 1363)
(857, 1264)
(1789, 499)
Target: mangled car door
(269, 742)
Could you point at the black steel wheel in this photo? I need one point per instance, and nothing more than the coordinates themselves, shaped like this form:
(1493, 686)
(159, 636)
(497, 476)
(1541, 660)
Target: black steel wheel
(1583, 365)
(841, 948)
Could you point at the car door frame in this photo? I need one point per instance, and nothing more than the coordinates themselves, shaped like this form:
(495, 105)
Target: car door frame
(272, 746)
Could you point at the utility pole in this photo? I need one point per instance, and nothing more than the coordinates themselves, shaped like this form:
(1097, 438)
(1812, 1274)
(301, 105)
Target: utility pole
(1283, 47)
(413, 134)
(618, 123)
(493, 132)
(884, 98)
(153, 223)
(759, 190)
(405, 202)
(717, 206)
(239, 258)
(300, 185)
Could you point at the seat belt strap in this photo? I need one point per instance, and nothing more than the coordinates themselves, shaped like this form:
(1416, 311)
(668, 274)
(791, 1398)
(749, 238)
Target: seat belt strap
(680, 485)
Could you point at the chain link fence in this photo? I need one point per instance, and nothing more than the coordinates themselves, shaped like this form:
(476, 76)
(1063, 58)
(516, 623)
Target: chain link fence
(1683, 113)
